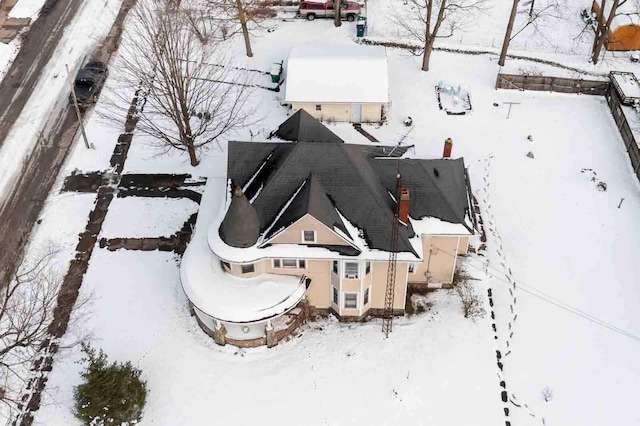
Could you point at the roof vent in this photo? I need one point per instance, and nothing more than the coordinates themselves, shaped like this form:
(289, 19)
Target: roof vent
(436, 173)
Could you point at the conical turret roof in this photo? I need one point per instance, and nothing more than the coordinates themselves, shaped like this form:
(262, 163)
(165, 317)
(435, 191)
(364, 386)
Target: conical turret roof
(241, 225)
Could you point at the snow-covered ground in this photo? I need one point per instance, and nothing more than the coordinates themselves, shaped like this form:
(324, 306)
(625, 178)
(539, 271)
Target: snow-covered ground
(161, 215)
(559, 235)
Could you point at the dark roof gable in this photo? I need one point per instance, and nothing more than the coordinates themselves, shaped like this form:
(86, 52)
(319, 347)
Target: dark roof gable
(302, 127)
(310, 199)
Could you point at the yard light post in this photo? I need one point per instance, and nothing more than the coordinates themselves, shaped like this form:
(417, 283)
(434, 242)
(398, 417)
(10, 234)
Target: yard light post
(77, 108)
(510, 105)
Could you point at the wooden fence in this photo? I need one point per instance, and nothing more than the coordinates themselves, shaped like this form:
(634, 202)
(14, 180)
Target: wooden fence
(630, 142)
(552, 84)
(587, 87)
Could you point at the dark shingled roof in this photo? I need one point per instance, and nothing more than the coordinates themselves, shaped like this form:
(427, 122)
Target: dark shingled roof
(343, 171)
(302, 127)
(241, 226)
(311, 199)
(437, 187)
(353, 179)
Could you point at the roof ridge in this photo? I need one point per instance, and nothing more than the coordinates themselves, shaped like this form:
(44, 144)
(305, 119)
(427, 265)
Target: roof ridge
(376, 197)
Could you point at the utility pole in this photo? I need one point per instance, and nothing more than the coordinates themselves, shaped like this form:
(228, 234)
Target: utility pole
(507, 34)
(75, 104)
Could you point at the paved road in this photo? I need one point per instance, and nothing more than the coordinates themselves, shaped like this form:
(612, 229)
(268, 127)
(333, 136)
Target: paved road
(37, 49)
(20, 211)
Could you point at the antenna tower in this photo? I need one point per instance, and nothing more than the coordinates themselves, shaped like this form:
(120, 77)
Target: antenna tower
(387, 316)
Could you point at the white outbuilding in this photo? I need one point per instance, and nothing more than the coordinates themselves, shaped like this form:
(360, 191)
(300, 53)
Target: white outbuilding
(338, 83)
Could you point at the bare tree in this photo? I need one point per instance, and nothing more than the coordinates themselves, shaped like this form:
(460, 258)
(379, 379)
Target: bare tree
(337, 18)
(233, 17)
(189, 95)
(533, 17)
(431, 19)
(470, 299)
(605, 15)
(27, 305)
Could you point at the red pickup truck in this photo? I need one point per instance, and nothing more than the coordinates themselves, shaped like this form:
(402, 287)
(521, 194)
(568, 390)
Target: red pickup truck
(317, 9)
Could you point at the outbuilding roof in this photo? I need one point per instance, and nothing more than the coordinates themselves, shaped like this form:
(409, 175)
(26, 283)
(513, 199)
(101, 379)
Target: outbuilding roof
(337, 74)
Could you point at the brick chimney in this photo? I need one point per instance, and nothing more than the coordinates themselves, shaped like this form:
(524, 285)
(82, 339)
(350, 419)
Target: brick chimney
(403, 205)
(448, 146)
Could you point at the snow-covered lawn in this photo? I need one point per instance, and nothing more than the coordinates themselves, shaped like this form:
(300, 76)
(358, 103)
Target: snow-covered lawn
(559, 235)
(331, 374)
(146, 217)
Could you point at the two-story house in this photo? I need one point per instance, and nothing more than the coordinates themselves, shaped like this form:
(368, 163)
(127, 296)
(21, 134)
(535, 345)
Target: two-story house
(311, 221)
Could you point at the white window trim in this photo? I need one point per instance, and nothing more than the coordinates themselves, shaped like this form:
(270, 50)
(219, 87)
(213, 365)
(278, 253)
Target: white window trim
(358, 272)
(344, 299)
(315, 236)
(338, 291)
(412, 265)
(248, 264)
(282, 259)
(368, 301)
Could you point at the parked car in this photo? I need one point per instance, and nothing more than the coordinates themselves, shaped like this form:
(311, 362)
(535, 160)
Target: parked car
(312, 10)
(89, 82)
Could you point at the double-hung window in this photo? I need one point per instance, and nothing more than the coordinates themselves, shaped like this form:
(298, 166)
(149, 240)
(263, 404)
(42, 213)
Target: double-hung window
(308, 236)
(351, 300)
(335, 295)
(366, 297)
(351, 270)
(335, 267)
(289, 263)
(412, 268)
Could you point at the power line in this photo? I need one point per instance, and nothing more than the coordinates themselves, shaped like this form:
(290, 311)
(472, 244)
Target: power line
(552, 300)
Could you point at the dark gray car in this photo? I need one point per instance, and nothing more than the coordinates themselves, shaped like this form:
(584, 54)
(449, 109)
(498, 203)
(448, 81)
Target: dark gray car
(89, 82)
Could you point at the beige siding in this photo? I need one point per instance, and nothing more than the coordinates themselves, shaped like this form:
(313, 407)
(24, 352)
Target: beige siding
(340, 112)
(319, 293)
(293, 234)
(236, 269)
(318, 270)
(371, 112)
(439, 259)
(463, 247)
(329, 112)
(379, 285)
